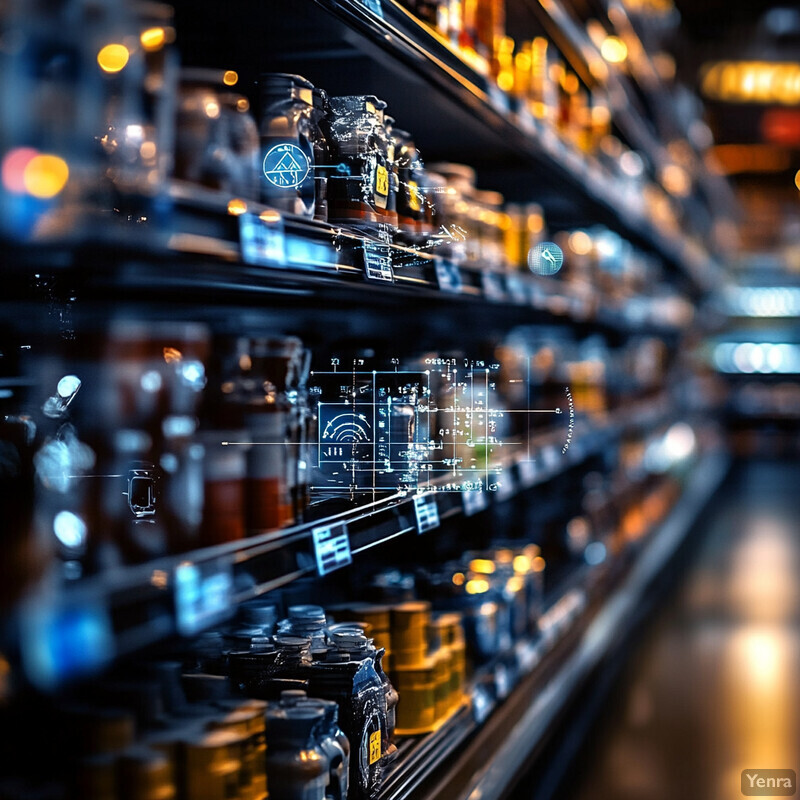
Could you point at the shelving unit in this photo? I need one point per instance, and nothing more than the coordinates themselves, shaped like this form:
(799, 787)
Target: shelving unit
(242, 268)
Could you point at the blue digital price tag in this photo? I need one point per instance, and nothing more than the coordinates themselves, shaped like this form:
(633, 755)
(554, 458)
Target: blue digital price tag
(503, 486)
(262, 241)
(331, 547)
(374, 6)
(516, 289)
(448, 275)
(203, 595)
(378, 262)
(482, 703)
(427, 512)
(474, 501)
(493, 288)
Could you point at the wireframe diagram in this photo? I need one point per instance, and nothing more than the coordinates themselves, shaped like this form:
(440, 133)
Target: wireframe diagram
(441, 426)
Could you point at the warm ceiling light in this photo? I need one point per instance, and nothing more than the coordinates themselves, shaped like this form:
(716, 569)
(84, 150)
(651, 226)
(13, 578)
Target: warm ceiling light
(45, 175)
(113, 57)
(237, 207)
(153, 39)
(752, 82)
(797, 179)
(676, 180)
(613, 50)
(230, 78)
(580, 243)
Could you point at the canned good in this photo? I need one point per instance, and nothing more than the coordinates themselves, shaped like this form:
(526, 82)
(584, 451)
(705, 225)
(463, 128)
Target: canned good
(213, 762)
(360, 188)
(145, 775)
(410, 633)
(416, 685)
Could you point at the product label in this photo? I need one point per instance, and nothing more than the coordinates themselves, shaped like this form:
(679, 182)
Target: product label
(374, 747)
(286, 166)
(413, 196)
(203, 595)
(381, 186)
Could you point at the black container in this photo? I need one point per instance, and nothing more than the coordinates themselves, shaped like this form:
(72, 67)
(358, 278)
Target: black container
(297, 767)
(292, 141)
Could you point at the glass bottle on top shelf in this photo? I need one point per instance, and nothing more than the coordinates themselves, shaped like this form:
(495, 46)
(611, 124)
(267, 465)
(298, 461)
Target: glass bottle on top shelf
(264, 393)
(217, 142)
(359, 189)
(293, 144)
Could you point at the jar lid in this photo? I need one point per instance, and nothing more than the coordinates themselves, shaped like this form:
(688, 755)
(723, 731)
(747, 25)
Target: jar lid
(285, 84)
(307, 613)
(348, 104)
(292, 723)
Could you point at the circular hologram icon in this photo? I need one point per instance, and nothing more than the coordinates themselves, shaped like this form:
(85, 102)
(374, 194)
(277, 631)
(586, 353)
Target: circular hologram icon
(286, 166)
(545, 258)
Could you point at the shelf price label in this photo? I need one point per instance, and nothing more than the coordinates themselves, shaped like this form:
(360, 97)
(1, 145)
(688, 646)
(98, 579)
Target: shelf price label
(493, 288)
(504, 486)
(378, 262)
(448, 276)
(262, 242)
(516, 289)
(474, 501)
(203, 595)
(482, 703)
(331, 547)
(527, 472)
(427, 512)
(374, 6)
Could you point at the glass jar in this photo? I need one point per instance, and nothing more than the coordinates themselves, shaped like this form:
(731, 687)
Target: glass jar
(293, 143)
(216, 142)
(359, 190)
(410, 182)
(265, 392)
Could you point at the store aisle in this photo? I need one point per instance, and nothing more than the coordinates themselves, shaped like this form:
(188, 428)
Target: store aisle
(715, 688)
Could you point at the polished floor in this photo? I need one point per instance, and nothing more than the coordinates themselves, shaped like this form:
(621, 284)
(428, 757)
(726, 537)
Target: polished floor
(715, 686)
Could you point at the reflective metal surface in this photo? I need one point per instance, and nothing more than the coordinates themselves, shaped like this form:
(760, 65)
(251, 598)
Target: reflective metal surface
(715, 689)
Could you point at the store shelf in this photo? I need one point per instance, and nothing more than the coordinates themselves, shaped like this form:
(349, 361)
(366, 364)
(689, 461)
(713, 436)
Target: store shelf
(137, 606)
(454, 112)
(282, 263)
(488, 764)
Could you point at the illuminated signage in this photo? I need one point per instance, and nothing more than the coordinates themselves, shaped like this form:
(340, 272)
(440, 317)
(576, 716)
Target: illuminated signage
(751, 82)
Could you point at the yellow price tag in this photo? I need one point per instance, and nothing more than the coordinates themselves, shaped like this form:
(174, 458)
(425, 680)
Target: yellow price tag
(413, 196)
(382, 181)
(374, 747)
